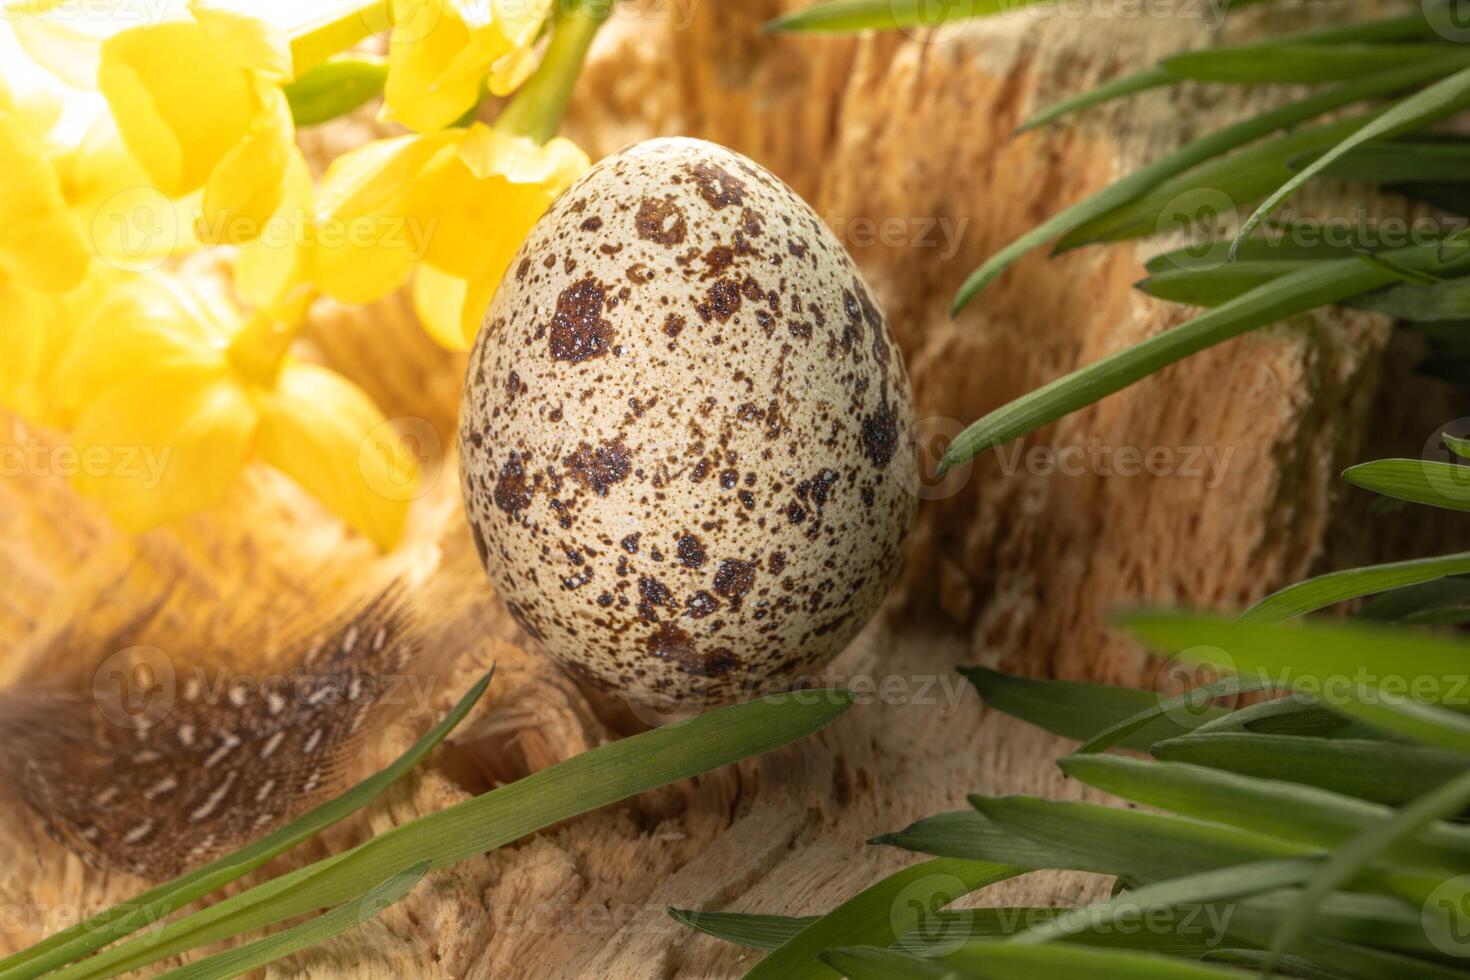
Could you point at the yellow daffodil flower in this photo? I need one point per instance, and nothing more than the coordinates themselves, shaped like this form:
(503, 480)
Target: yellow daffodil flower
(197, 100)
(442, 51)
(40, 244)
(457, 202)
(172, 380)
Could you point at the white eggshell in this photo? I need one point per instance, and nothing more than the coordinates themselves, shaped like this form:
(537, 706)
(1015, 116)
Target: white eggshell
(685, 431)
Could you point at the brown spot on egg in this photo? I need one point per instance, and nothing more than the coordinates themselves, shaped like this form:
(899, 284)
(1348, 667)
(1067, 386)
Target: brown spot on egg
(660, 221)
(578, 330)
(880, 435)
(689, 551)
(511, 492)
(717, 185)
(599, 468)
(734, 579)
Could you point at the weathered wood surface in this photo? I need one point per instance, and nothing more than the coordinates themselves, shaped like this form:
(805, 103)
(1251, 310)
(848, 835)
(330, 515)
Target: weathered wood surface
(1012, 568)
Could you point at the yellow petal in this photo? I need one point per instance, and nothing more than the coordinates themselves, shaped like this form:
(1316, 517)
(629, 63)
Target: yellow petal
(511, 70)
(281, 256)
(438, 299)
(246, 188)
(129, 224)
(254, 32)
(487, 152)
(327, 435)
(441, 50)
(39, 242)
(179, 104)
(144, 326)
(67, 42)
(155, 448)
(364, 237)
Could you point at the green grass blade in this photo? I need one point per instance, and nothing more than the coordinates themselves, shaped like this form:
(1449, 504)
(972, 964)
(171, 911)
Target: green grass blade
(1419, 481)
(1332, 659)
(762, 932)
(970, 836)
(1013, 961)
(1287, 811)
(1448, 300)
(1189, 701)
(1141, 181)
(1209, 286)
(872, 963)
(1334, 587)
(1132, 844)
(1441, 99)
(1372, 844)
(1309, 654)
(152, 906)
(1218, 885)
(1200, 196)
(1297, 63)
(1400, 161)
(1118, 88)
(1284, 242)
(1384, 772)
(846, 16)
(1292, 715)
(335, 88)
(1326, 282)
(1411, 603)
(349, 915)
(1079, 710)
(1402, 28)
(596, 778)
(1460, 447)
(879, 914)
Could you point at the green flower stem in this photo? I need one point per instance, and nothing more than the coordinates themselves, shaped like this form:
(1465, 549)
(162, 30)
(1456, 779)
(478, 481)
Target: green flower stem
(538, 107)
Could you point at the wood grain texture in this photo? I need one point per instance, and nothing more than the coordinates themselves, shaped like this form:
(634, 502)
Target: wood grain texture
(1013, 568)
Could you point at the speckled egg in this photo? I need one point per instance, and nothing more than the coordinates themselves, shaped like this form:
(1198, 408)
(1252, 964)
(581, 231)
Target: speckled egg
(685, 431)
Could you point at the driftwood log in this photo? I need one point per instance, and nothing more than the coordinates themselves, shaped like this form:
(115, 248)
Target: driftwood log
(903, 143)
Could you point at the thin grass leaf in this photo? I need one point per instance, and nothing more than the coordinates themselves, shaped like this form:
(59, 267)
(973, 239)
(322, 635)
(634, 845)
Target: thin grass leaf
(1005, 961)
(1425, 302)
(1371, 845)
(155, 904)
(1334, 587)
(1441, 99)
(1402, 28)
(1296, 292)
(1401, 161)
(847, 16)
(1294, 714)
(762, 932)
(1220, 884)
(1317, 653)
(879, 914)
(1283, 810)
(1209, 286)
(1168, 708)
(1295, 966)
(1296, 63)
(1410, 603)
(1409, 719)
(1118, 88)
(1285, 242)
(1079, 710)
(595, 778)
(1199, 199)
(970, 836)
(1385, 772)
(1419, 481)
(1460, 447)
(1134, 844)
(349, 915)
(1141, 181)
(872, 963)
